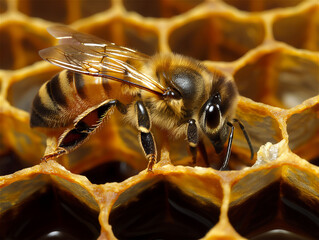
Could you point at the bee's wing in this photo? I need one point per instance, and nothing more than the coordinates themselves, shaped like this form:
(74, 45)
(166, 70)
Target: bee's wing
(90, 55)
(66, 35)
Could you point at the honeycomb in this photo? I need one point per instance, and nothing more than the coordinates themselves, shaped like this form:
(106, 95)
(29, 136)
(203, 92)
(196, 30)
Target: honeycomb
(102, 190)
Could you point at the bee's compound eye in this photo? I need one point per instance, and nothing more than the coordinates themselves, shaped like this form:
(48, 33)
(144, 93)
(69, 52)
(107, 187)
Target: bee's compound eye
(212, 116)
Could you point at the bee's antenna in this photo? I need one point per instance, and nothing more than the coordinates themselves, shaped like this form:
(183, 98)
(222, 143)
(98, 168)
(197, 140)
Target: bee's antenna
(246, 136)
(230, 141)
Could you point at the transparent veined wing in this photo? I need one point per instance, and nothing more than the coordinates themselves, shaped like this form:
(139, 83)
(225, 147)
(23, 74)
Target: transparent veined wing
(66, 35)
(87, 54)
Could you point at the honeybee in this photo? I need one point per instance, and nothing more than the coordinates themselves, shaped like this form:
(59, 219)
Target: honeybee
(173, 92)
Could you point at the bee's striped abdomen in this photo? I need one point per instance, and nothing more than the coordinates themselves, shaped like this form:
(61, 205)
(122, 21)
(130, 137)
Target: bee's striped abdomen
(91, 90)
(48, 104)
(55, 93)
(40, 114)
(67, 95)
(79, 83)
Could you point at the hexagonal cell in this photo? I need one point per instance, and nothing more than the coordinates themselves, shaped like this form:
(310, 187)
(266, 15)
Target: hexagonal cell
(303, 130)
(113, 171)
(10, 163)
(299, 30)
(20, 44)
(261, 5)
(51, 10)
(253, 202)
(90, 7)
(159, 209)
(160, 8)
(218, 37)
(62, 11)
(126, 34)
(22, 92)
(279, 234)
(278, 202)
(281, 78)
(3, 6)
(7, 56)
(299, 195)
(27, 144)
(260, 126)
(38, 209)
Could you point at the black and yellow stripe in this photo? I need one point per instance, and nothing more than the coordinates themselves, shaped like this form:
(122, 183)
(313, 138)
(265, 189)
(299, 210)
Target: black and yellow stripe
(64, 97)
(47, 104)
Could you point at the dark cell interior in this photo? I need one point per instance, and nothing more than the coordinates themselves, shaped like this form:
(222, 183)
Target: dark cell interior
(217, 38)
(160, 8)
(114, 171)
(278, 206)
(126, 34)
(50, 214)
(162, 211)
(22, 93)
(52, 10)
(261, 5)
(10, 163)
(3, 6)
(299, 30)
(271, 80)
(20, 42)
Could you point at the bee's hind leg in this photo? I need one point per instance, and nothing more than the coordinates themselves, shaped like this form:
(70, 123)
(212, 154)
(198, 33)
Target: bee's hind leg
(83, 127)
(146, 137)
(57, 153)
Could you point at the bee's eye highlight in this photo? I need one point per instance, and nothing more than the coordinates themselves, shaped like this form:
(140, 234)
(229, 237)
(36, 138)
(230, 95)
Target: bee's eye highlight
(212, 116)
(217, 98)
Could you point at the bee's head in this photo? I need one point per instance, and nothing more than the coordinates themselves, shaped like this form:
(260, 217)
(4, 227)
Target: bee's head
(183, 79)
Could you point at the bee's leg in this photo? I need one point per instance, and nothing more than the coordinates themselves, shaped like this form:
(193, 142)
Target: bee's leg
(58, 152)
(68, 141)
(146, 137)
(148, 144)
(203, 152)
(246, 136)
(84, 126)
(192, 138)
(230, 141)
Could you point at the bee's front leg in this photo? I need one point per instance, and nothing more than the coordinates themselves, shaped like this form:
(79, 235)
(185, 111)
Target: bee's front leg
(145, 136)
(192, 138)
(84, 125)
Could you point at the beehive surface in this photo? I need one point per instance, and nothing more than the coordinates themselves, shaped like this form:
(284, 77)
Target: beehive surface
(103, 191)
